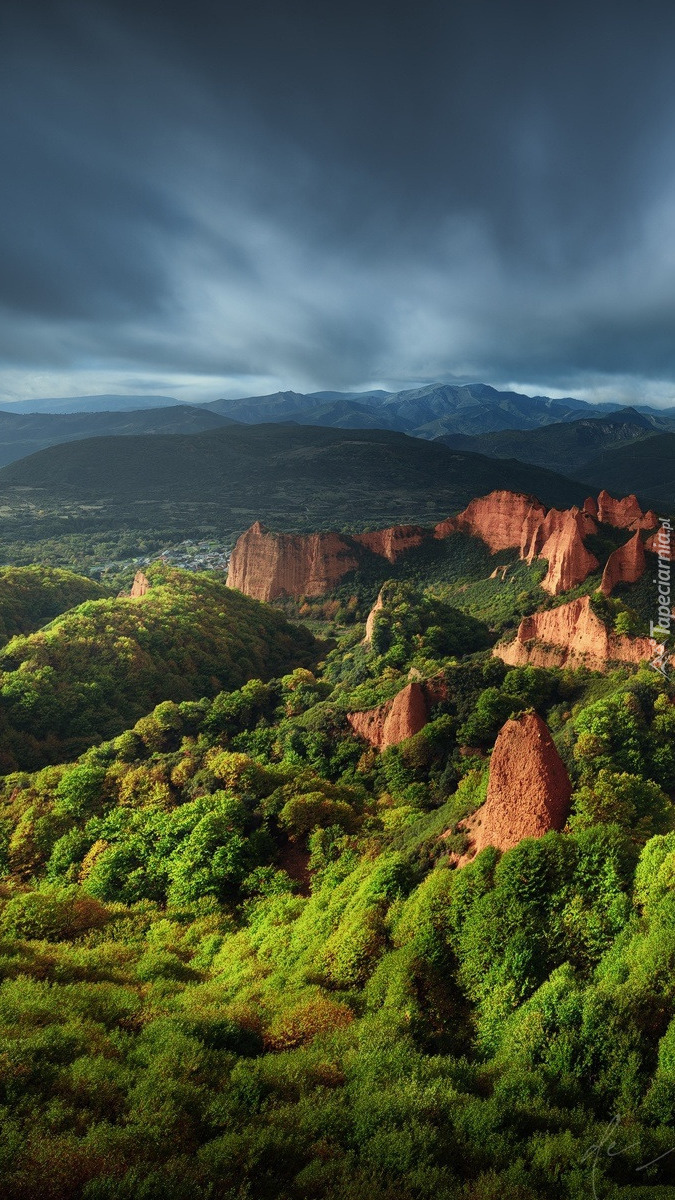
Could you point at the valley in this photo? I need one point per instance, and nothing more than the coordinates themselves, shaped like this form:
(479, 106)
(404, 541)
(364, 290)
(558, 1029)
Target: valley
(308, 869)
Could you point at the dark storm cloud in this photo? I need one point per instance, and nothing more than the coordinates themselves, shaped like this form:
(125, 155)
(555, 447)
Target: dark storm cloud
(224, 197)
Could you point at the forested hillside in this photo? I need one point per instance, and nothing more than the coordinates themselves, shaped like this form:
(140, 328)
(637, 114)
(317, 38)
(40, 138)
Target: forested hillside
(238, 960)
(31, 596)
(98, 667)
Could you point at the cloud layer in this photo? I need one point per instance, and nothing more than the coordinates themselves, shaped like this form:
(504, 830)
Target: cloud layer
(209, 202)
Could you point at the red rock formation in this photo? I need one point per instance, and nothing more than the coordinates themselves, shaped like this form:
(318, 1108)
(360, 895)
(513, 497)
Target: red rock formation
(571, 636)
(370, 620)
(528, 790)
(505, 520)
(625, 513)
(625, 565)
(391, 543)
(536, 535)
(591, 507)
(267, 565)
(559, 539)
(445, 528)
(390, 723)
(662, 543)
(498, 519)
(140, 586)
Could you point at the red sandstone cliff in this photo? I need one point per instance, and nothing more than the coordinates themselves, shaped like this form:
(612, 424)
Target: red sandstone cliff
(528, 790)
(537, 534)
(625, 513)
(571, 636)
(391, 543)
(390, 723)
(660, 543)
(267, 565)
(625, 565)
(498, 519)
(569, 562)
(401, 717)
(140, 586)
(505, 520)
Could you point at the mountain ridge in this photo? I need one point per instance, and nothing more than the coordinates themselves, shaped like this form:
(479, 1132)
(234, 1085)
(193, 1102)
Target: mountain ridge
(22, 434)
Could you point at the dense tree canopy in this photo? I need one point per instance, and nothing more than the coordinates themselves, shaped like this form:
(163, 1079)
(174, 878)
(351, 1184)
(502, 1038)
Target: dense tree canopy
(100, 666)
(236, 962)
(31, 596)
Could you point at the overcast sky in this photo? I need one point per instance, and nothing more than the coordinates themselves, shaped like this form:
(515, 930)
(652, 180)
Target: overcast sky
(213, 199)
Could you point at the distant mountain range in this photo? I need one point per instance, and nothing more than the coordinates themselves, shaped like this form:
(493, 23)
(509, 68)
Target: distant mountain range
(626, 451)
(568, 436)
(426, 412)
(645, 466)
(429, 411)
(84, 404)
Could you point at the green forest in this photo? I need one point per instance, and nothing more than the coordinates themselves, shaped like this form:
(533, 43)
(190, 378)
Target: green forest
(237, 962)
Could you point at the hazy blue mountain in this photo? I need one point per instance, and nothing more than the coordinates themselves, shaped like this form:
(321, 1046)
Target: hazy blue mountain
(430, 412)
(425, 412)
(330, 409)
(25, 433)
(81, 404)
(566, 447)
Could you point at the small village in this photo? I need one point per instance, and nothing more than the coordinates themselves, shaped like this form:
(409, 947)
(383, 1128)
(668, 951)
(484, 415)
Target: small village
(188, 555)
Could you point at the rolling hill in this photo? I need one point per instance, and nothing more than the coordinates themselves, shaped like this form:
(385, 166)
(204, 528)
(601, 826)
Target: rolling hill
(105, 663)
(646, 467)
(566, 447)
(287, 475)
(25, 433)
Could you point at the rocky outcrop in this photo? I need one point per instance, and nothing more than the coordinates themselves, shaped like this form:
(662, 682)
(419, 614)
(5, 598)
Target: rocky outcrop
(268, 565)
(392, 543)
(394, 721)
(560, 540)
(509, 520)
(571, 636)
(400, 718)
(528, 789)
(499, 519)
(662, 542)
(370, 620)
(535, 536)
(625, 565)
(140, 586)
(625, 513)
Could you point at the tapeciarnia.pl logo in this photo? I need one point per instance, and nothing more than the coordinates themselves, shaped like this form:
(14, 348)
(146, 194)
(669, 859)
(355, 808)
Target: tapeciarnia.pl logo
(659, 630)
